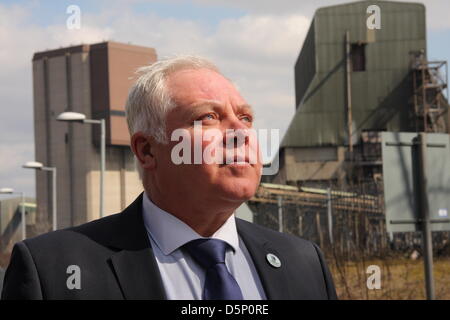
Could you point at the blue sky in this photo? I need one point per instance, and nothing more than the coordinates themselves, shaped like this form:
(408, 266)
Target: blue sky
(49, 12)
(439, 44)
(219, 29)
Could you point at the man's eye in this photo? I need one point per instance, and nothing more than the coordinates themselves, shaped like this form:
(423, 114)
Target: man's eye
(247, 118)
(208, 116)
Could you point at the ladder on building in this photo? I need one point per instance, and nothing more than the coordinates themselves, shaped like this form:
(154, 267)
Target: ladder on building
(430, 102)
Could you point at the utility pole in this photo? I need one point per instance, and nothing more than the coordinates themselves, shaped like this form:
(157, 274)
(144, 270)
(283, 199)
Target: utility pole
(348, 71)
(424, 215)
(280, 214)
(330, 216)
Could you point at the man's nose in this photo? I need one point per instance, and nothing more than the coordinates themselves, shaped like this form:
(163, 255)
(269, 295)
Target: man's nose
(236, 133)
(236, 138)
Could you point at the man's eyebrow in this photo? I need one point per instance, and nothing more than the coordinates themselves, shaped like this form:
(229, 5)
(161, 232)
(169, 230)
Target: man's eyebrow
(205, 103)
(246, 106)
(193, 110)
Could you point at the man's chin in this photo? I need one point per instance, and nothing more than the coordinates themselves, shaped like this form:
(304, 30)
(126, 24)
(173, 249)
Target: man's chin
(238, 192)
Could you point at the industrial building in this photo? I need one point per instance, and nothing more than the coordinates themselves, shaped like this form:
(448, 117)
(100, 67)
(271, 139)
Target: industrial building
(93, 80)
(352, 82)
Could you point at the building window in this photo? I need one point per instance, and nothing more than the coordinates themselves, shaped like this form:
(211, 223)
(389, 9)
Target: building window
(358, 54)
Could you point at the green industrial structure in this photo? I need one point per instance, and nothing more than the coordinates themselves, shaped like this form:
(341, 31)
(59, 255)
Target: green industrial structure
(352, 82)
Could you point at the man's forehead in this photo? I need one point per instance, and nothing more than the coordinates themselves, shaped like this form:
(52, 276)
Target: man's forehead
(199, 81)
(203, 87)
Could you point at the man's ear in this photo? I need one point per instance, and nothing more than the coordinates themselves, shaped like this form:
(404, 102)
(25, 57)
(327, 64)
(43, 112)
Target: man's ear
(143, 147)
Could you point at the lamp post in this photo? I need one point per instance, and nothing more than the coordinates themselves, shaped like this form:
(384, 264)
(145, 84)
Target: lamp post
(80, 117)
(22, 213)
(39, 166)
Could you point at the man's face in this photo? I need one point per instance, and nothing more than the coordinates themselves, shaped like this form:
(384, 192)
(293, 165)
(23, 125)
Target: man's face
(206, 96)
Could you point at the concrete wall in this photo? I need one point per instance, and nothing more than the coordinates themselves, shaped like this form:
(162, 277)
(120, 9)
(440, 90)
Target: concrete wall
(294, 168)
(122, 183)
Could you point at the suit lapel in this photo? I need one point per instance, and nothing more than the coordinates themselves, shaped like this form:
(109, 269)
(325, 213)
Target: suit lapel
(274, 280)
(138, 274)
(135, 264)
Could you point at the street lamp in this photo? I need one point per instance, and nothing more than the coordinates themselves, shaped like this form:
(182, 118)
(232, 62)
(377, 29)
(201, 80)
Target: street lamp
(39, 166)
(24, 222)
(79, 117)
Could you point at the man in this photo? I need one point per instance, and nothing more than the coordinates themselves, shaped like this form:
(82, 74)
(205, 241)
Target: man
(179, 239)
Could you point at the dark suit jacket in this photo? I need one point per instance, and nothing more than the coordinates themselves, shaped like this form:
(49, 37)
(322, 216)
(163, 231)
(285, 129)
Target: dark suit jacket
(116, 261)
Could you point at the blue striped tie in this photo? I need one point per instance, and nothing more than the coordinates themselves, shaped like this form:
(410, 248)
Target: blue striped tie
(219, 283)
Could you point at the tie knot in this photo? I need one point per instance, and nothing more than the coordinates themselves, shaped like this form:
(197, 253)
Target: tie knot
(207, 252)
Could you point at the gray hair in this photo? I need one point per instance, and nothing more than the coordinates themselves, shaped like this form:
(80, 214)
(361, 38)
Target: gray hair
(149, 101)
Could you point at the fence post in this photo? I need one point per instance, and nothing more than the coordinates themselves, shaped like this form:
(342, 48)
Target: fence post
(319, 229)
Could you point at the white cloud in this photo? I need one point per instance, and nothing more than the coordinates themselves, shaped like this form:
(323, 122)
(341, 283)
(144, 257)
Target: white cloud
(20, 39)
(18, 154)
(12, 156)
(265, 37)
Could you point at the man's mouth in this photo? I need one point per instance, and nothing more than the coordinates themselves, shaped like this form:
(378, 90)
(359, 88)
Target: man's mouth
(237, 161)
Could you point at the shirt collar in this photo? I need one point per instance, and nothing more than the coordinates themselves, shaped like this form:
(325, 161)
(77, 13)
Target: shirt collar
(170, 233)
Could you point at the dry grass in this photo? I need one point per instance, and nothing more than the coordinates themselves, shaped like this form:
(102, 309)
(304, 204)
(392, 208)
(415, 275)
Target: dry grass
(400, 279)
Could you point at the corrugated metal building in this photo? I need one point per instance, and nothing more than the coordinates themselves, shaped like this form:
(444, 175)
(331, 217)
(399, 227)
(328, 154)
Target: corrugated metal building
(316, 145)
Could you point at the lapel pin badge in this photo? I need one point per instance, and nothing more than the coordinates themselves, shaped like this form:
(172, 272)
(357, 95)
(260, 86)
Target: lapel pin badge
(273, 260)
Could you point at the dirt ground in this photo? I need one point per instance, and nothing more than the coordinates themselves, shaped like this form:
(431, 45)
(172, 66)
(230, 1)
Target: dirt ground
(401, 279)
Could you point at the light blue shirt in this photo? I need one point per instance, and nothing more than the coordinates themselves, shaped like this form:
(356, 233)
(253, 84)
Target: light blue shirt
(182, 277)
